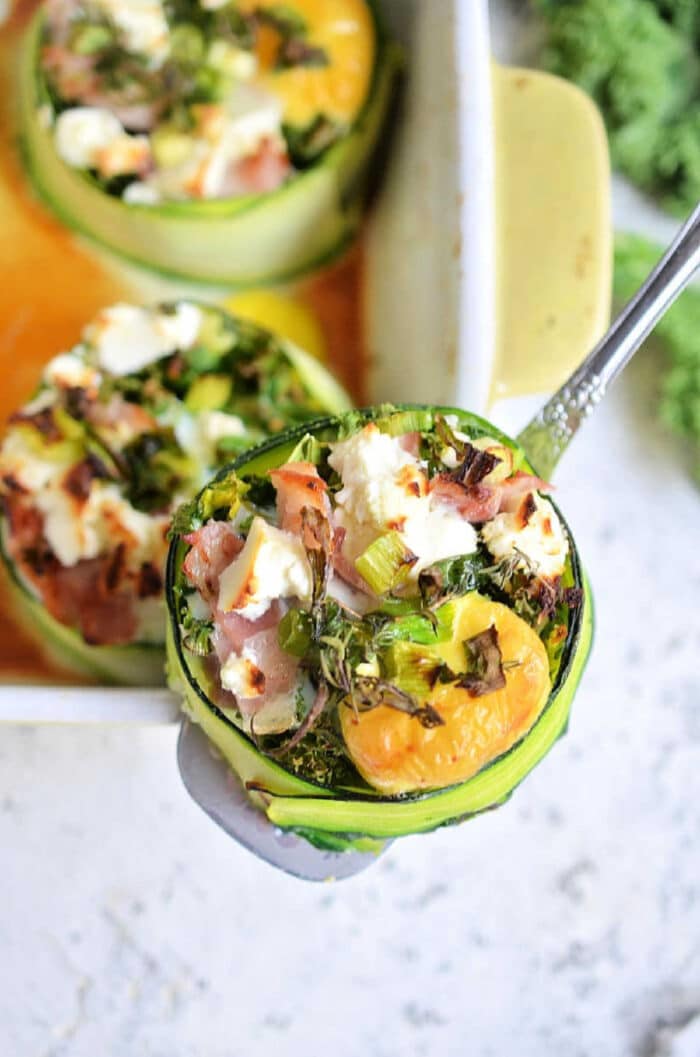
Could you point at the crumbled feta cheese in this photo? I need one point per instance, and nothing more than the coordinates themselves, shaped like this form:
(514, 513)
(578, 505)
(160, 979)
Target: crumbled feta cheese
(77, 530)
(19, 460)
(127, 338)
(385, 488)
(82, 132)
(541, 539)
(241, 675)
(272, 564)
(369, 464)
(435, 531)
(71, 372)
(139, 193)
(143, 26)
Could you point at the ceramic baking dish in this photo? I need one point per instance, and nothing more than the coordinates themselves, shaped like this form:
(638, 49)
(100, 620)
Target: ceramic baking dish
(439, 258)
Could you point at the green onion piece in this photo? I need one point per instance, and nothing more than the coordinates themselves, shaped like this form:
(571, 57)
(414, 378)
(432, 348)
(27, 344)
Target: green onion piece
(307, 450)
(399, 607)
(412, 667)
(386, 563)
(88, 39)
(186, 44)
(225, 493)
(417, 420)
(209, 392)
(294, 632)
(416, 627)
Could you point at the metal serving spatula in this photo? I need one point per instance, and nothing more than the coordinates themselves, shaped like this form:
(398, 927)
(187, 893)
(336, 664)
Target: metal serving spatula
(209, 780)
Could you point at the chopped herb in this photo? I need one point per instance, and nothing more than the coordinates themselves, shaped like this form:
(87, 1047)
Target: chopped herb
(484, 671)
(368, 693)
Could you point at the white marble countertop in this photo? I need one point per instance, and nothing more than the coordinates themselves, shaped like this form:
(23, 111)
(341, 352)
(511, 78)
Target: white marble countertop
(565, 924)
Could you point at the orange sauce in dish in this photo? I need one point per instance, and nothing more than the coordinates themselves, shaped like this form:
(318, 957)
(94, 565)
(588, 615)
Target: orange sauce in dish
(51, 284)
(335, 296)
(49, 287)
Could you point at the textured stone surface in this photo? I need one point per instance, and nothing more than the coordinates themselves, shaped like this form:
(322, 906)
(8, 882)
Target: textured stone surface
(565, 923)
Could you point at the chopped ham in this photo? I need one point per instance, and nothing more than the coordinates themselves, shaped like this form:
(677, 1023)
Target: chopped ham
(213, 548)
(481, 502)
(264, 171)
(516, 487)
(298, 485)
(476, 502)
(410, 442)
(344, 568)
(85, 596)
(233, 633)
(120, 415)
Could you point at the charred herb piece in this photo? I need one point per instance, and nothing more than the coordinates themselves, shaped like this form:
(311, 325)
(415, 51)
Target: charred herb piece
(369, 692)
(484, 672)
(451, 578)
(472, 463)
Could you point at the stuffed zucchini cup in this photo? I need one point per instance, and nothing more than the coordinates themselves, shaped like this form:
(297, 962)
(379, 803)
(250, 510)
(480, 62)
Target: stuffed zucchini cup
(219, 141)
(380, 622)
(123, 427)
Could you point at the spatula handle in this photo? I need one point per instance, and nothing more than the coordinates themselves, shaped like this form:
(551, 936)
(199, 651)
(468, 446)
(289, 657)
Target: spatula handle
(547, 436)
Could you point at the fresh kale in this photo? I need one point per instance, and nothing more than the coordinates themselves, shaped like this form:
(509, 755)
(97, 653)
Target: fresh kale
(638, 59)
(678, 331)
(156, 468)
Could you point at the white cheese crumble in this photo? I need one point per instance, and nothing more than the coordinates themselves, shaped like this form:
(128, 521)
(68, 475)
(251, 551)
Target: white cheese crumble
(20, 460)
(77, 530)
(384, 488)
(82, 132)
(139, 193)
(143, 26)
(541, 540)
(272, 564)
(127, 338)
(241, 675)
(71, 371)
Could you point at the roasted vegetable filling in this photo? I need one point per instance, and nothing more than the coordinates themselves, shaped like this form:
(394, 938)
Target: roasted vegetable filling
(169, 100)
(123, 428)
(384, 611)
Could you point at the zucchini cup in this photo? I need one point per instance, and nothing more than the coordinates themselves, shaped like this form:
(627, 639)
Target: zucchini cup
(380, 622)
(123, 428)
(217, 141)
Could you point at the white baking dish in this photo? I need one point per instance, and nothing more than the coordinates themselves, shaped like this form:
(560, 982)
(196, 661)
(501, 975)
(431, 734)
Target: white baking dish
(436, 253)
(429, 272)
